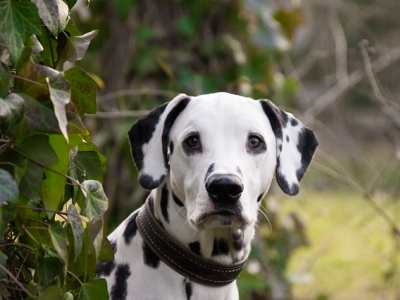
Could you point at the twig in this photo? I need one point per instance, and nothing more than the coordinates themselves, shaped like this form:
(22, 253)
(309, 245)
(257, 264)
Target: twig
(29, 80)
(20, 285)
(42, 209)
(76, 277)
(385, 104)
(118, 114)
(336, 91)
(339, 38)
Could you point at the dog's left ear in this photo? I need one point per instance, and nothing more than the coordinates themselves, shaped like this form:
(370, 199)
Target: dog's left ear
(295, 145)
(149, 138)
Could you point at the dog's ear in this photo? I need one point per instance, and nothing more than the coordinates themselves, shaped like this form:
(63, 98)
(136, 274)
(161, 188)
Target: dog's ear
(295, 145)
(149, 138)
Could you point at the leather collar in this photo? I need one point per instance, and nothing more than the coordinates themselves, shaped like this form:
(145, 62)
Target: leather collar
(180, 258)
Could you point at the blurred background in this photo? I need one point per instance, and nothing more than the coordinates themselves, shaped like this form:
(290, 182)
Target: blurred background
(335, 64)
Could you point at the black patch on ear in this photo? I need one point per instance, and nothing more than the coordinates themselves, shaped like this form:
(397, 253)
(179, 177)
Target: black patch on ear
(259, 198)
(119, 289)
(220, 247)
(293, 122)
(148, 182)
(195, 247)
(150, 258)
(188, 289)
(141, 133)
(177, 200)
(307, 143)
(209, 170)
(164, 203)
(169, 121)
(130, 229)
(238, 244)
(105, 268)
(275, 118)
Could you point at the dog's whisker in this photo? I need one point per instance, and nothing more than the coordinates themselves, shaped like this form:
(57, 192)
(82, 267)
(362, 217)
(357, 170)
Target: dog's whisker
(264, 214)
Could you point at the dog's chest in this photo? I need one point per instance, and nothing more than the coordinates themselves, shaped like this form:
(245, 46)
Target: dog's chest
(137, 273)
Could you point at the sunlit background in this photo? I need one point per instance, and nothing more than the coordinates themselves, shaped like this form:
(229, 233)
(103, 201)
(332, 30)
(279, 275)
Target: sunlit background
(335, 64)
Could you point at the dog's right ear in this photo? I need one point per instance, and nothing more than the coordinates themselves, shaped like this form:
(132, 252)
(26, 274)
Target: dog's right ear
(149, 139)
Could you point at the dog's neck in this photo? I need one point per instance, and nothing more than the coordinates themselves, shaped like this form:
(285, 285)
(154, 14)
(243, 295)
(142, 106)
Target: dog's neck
(217, 244)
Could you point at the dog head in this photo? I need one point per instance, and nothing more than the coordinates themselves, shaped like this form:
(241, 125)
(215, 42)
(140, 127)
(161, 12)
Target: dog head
(219, 153)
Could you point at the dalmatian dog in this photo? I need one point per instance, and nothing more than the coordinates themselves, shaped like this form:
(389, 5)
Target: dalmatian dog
(208, 161)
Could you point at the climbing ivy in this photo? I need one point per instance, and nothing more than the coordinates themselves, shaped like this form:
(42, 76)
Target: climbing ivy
(51, 197)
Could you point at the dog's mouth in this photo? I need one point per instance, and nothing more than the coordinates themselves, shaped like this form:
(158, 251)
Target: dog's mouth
(221, 218)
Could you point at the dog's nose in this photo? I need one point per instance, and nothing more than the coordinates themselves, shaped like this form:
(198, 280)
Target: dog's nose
(224, 189)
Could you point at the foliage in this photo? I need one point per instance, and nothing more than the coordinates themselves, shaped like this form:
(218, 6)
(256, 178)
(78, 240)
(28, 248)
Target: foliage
(51, 197)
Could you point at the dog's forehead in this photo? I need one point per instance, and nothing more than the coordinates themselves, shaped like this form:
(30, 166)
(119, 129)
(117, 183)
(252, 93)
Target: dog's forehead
(224, 111)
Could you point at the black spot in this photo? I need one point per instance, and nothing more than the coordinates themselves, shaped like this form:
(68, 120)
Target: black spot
(285, 118)
(280, 147)
(259, 198)
(274, 116)
(164, 203)
(293, 122)
(149, 182)
(113, 245)
(209, 170)
(188, 288)
(119, 289)
(307, 143)
(141, 133)
(150, 258)
(195, 247)
(130, 229)
(283, 183)
(239, 171)
(171, 148)
(169, 121)
(177, 200)
(287, 139)
(220, 247)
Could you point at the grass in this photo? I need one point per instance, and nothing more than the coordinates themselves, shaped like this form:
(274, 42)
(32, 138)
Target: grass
(352, 253)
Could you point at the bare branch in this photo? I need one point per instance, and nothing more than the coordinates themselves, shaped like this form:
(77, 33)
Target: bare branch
(135, 93)
(117, 114)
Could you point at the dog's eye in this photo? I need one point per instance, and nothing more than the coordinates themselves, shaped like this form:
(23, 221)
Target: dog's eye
(192, 143)
(255, 144)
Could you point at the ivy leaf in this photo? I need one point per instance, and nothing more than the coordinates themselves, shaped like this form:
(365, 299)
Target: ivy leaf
(74, 220)
(11, 110)
(19, 20)
(60, 95)
(59, 239)
(77, 47)
(49, 270)
(8, 187)
(96, 200)
(52, 188)
(29, 185)
(83, 90)
(88, 164)
(94, 290)
(37, 148)
(54, 14)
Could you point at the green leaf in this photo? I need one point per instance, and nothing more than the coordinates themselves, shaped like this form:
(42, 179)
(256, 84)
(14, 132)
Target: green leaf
(29, 185)
(59, 240)
(96, 233)
(19, 20)
(94, 290)
(8, 187)
(37, 148)
(74, 220)
(54, 14)
(96, 200)
(39, 117)
(48, 270)
(60, 95)
(71, 3)
(88, 164)
(52, 188)
(4, 80)
(85, 265)
(83, 90)
(76, 48)
(11, 110)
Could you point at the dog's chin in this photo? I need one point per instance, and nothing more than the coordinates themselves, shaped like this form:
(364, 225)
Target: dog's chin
(220, 219)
